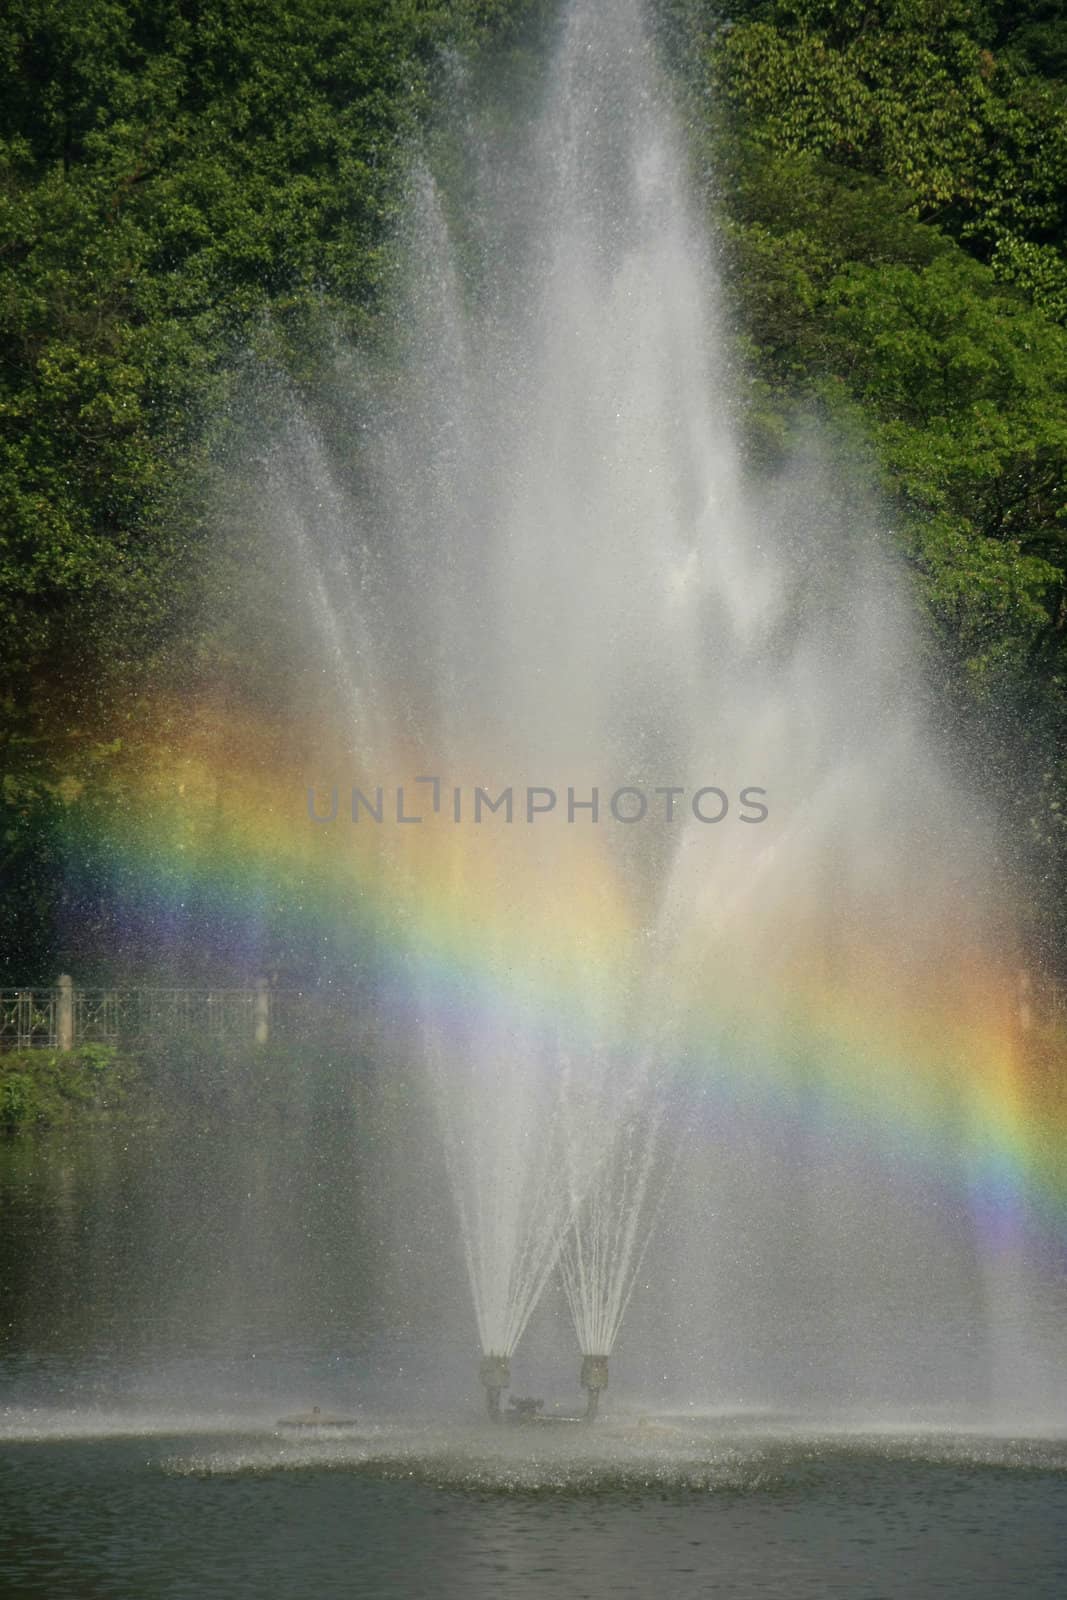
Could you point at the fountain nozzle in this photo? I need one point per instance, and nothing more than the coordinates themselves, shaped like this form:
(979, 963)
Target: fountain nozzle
(495, 1374)
(594, 1377)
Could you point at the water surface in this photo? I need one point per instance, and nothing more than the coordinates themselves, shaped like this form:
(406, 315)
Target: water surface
(140, 1452)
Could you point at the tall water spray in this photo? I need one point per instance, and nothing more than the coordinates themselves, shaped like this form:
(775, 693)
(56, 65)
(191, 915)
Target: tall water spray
(553, 575)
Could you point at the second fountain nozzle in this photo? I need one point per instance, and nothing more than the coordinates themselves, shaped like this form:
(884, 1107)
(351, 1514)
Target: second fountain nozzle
(593, 1378)
(495, 1375)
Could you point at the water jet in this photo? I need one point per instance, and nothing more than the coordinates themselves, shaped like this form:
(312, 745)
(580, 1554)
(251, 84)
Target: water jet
(800, 1024)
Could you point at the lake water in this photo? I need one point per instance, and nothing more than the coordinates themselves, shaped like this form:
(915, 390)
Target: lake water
(167, 1300)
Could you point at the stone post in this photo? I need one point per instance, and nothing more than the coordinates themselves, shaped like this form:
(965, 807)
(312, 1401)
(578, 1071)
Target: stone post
(261, 1011)
(65, 1012)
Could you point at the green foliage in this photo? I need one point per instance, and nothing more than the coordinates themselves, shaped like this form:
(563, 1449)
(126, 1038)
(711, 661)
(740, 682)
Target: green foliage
(180, 181)
(47, 1088)
(16, 1095)
(184, 181)
(169, 175)
(891, 182)
(934, 95)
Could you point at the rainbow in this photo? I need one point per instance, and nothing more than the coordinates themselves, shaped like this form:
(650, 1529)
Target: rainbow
(201, 841)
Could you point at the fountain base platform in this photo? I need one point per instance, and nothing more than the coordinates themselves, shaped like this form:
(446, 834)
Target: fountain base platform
(315, 1418)
(494, 1373)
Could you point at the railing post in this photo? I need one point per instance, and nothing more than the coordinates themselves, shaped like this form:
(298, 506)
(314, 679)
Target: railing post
(65, 1012)
(261, 1011)
(24, 1020)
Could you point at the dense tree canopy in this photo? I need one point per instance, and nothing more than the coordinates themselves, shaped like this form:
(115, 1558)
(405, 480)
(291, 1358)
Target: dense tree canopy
(173, 173)
(891, 180)
(178, 176)
(170, 172)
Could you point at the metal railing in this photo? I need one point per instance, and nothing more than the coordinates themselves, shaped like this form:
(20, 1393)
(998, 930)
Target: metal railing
(28, 1019)
(63, 1017)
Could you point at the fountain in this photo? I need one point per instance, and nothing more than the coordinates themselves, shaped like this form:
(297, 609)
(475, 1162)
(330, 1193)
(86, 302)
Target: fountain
(687, 922)
(673, 1044)
(495, 1376)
